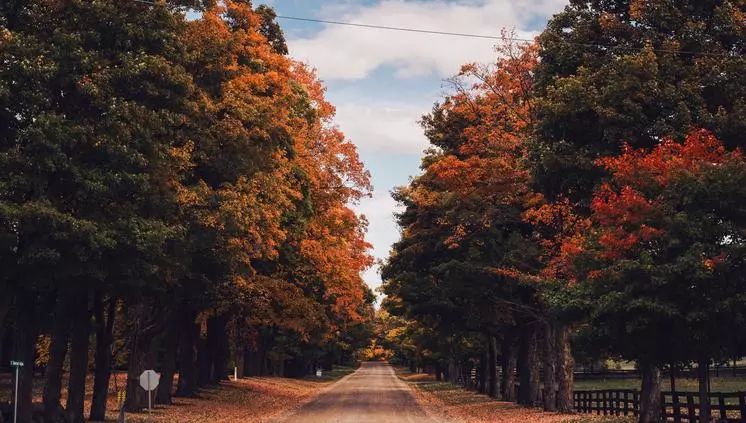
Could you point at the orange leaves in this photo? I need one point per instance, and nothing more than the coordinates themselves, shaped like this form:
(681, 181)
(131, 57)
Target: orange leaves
(655, 168)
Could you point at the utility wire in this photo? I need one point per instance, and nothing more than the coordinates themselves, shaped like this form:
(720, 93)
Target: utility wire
(489, 37)
(396, 28)
(496, 37)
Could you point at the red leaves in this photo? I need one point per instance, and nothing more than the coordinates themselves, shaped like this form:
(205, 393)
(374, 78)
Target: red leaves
(628, 210)
(655, 168)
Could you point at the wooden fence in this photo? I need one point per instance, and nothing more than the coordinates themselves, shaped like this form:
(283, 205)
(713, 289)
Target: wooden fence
(618, 402)
(679, 407)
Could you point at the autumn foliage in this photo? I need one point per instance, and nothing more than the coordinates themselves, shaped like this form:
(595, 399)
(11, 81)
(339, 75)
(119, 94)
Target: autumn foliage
(182, 192)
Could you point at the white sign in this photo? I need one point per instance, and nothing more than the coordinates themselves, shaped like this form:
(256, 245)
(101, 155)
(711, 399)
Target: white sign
(16, 363)
(149, 380)
(318, 373)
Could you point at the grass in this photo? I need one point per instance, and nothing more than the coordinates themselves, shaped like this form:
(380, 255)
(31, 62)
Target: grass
(338, 372)
(718, 384)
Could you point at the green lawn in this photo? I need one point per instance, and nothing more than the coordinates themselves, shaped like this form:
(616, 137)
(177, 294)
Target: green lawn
(718, 384)
(338, 372)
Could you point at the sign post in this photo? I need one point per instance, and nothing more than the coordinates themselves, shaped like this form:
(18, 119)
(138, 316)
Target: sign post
(149, 381)
(17, 365)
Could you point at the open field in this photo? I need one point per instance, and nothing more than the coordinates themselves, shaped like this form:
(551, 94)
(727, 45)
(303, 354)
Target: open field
(252, 399)
(718, 384)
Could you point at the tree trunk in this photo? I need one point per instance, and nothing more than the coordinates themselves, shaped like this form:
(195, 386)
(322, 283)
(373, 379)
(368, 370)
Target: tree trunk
(672, 377)
(141, 354)
(79, 340)
(509, 362)
(204, 363)
(483, 371)
(565, 370)
(187, 385)
(24, 345)
(217, 341)
(53, 411)
(550, 367)
(102, 371)
(5, 302)
(528, 367)
(650, 397)
(168, 368)
(438, 372)
(492, 366)
(703, 379)
(452, 371)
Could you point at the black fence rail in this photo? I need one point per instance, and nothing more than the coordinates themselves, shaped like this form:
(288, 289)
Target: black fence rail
(681, 407)
(678, 407)
(617, 402)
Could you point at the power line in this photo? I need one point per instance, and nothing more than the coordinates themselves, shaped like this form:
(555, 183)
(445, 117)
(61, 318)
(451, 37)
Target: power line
(396, 28)
(489, 37)
(496, 37)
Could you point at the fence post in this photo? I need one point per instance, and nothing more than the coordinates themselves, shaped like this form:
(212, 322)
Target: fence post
(742, 404)
(636, 402)
(690, 408)
(626, 403)
(721, 405)
(676, 407)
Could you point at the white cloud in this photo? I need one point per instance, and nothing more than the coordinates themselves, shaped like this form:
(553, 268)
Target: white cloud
(342, 52)
(382, 232)
(383, 128)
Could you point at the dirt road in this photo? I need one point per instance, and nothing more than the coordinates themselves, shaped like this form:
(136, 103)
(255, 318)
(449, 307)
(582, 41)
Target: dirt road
(372, 394)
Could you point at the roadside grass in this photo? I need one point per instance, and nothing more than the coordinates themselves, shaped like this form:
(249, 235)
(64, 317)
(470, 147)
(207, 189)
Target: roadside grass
(337, 372)
(718, 384)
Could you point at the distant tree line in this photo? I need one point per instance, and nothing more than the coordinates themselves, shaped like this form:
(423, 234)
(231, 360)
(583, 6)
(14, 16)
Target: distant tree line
(586, 190)
(173, 195)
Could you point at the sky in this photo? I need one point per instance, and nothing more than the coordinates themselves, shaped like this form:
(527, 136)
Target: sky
(382, 82)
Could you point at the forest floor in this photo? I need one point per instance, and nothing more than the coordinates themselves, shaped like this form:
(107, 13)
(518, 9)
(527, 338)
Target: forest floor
(455, 404)
(251, 399)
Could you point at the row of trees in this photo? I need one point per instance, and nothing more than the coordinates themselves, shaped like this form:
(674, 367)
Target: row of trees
(174, 195)
(588, 190)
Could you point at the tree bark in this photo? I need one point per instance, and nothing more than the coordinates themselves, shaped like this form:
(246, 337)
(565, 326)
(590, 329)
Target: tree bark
(102, 371)
(528, 367)
(650, 397)
(141, 354)
(53, 411)
(5, 302)
(492, 383)
(452, 371)
(187, 385)
(217, 341)
(79, 340)
(204, 363)
(483, 371)
(703, 379)
(509, 362)
(24, 346)
(550, 367)
(565, 370)
(168, 367)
